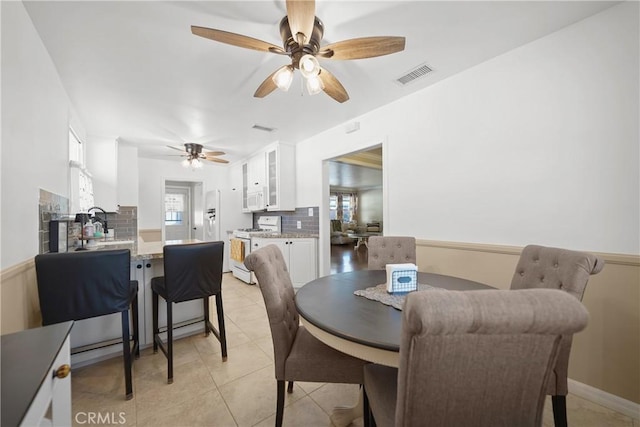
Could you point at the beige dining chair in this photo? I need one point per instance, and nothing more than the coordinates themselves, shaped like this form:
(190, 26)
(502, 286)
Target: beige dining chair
(298, 355)
(472, 358)
(554, 268)
(385, 250)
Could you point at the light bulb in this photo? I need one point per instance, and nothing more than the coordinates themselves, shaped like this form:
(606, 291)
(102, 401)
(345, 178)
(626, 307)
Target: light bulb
(196, 163)
(283, 77)
(314, 85)
(186, 163)
(309, 66)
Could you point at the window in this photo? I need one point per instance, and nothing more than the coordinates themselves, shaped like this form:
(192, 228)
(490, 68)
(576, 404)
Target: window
(76, 149)
(343, 206)
(173, 208)
(81, 191)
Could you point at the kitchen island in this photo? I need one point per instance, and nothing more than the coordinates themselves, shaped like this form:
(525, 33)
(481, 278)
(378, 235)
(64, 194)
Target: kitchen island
(146, 262)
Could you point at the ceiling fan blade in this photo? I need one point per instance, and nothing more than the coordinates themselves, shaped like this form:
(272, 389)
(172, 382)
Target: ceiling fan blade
(236, 40)
(213, 153)
(176, 148)
(268, 85)
(332, 86)
(217, 160)
(302, 14)
(365, 47)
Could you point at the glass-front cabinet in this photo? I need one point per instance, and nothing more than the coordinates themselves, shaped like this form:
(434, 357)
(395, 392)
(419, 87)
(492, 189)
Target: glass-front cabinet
(271, 170)
(245, 186)
(280, 159)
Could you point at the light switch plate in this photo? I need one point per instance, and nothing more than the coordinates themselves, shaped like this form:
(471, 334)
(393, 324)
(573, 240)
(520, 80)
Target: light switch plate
(299, 224)
(310, 211)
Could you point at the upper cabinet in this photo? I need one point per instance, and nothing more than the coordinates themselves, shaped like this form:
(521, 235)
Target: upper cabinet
(268, 179)
(280, 177)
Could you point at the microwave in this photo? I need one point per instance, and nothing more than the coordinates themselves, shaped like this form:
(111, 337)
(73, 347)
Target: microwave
(255, 200)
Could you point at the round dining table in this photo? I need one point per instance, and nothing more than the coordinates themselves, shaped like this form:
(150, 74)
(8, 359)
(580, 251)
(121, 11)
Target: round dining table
(355, 325)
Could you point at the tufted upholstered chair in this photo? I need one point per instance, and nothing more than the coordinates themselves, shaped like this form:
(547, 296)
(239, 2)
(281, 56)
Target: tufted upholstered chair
(298, 355)
(83, 285)
(472, 358)
(385, 250)
(191, 271)
(545, 267)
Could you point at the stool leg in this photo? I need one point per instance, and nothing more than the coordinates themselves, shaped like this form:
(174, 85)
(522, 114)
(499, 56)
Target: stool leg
(221, 329)
(136, 328)
(126, 352)
(156, 330)
(205, 301)
(169, 344)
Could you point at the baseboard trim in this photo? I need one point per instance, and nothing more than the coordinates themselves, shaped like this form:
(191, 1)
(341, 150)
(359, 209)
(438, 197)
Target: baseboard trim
(608, 400)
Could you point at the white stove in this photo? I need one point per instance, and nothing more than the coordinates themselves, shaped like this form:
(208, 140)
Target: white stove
(266, 224)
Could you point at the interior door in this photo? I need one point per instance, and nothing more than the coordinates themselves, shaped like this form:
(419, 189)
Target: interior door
(177, 213)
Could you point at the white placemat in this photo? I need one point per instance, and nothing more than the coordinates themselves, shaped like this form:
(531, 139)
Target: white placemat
(379, 293)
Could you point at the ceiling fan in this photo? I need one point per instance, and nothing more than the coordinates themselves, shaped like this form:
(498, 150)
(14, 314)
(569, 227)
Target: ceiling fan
(193, 155)
(301, 33)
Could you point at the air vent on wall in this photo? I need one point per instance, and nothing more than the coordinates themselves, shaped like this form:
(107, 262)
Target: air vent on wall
(263, 128)
(416, 73)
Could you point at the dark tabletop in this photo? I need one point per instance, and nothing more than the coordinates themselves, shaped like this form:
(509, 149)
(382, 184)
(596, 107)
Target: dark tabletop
(27, 359)
(329, 304)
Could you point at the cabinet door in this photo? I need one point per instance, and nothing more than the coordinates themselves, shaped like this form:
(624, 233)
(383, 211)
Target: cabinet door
(282, 244)
(245, 186)
(303, 261)
(272, 178)
(257, 172)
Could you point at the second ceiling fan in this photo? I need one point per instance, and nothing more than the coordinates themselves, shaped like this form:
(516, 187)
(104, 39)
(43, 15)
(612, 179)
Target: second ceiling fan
(301, 33)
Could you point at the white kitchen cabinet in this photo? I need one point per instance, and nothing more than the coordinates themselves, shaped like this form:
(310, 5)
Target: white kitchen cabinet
(257, 172)
(300, 256)
(280, 177)
(253, 178)
(271, 170)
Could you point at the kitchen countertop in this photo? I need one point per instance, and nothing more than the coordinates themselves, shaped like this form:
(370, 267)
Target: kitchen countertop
(146, 250)
(268, 235)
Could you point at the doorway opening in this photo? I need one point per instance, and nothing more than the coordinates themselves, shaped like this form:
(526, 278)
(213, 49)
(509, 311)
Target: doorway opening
(355, 207)
(182, 210)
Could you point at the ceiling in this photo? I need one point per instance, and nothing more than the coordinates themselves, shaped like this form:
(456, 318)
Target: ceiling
(361, 170)
(134, 71)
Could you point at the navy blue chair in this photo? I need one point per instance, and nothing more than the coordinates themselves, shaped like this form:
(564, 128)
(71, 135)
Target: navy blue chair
(82, 285)
(191, 271)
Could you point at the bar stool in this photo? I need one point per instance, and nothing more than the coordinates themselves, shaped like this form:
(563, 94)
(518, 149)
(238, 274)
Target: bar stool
(191, 271)
(82, 285)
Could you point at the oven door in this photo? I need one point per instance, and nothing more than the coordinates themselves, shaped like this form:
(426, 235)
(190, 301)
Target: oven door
(240, 248)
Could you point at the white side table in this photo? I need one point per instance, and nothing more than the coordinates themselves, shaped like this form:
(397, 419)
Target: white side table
(36, 376)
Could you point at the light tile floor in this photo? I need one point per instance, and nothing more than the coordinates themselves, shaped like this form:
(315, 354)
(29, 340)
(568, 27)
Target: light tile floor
(238, 392)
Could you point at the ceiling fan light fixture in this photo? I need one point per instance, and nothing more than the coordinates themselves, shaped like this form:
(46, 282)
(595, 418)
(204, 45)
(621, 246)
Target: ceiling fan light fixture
(309, 66)
(314, 85)
(283, 78)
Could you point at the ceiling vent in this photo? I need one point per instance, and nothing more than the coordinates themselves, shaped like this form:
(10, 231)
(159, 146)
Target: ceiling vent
(416, 73)
(263, 128)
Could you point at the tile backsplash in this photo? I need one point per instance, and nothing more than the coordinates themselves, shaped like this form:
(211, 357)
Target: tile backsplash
(309, 224)
(52, 206)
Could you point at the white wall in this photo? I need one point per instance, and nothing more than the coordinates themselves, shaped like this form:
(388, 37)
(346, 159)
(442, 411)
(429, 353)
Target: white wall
(102, 163)
(35, 128)
(539, 145)
(154, 172)
(128, 177)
